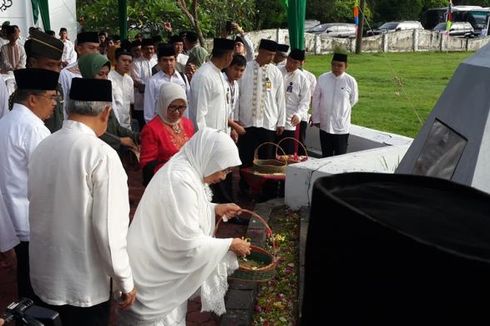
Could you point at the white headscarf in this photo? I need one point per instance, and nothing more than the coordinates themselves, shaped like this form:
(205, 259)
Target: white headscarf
(169, 92)
(171, 246)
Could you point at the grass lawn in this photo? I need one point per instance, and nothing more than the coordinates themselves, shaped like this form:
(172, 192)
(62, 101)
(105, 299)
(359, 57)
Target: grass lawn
(397, 91)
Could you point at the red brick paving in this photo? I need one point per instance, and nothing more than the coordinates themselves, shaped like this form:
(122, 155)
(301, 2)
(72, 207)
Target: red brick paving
(8, 290)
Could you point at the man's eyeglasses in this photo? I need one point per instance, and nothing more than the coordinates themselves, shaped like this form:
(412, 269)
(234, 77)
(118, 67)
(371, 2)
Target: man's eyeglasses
(174, 108)
(54, 98)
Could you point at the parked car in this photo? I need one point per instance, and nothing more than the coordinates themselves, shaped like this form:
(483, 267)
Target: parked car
(310, 23)
(395, 26)
(461, 29)
(335, 29)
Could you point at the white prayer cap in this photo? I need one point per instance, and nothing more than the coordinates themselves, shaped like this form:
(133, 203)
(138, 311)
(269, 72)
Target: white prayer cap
(210, 151)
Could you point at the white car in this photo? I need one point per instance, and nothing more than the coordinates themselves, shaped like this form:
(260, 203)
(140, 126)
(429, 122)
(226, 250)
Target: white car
(335, 30)
(461, 29)
(395, 26)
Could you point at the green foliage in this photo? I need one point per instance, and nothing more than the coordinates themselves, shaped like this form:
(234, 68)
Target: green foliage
(240, 11)
(333, 11)
(270, 14)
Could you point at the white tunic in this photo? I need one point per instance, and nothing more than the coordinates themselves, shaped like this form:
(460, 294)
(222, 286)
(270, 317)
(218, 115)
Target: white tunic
(13, 57)
(66, 75)
(297, 89)
(333, 100)
(312, 79)
(123, 96)
(20, 133)
(69, 55)
(79, 226)
(152, 90)
(262, 99)
(235, 97)
(4, 98)
(210, 98)
(141, 73)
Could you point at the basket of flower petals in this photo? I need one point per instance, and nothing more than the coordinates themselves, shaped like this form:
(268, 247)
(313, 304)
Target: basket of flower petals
(291, 158)
(260, 265)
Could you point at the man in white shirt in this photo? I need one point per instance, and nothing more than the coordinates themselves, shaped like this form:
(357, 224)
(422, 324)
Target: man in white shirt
(335, 94)
(21, 130)
(69, 55)
(166, 74)
(12, 54)
(210, 101)
(177, 42)
(306, 118)
(233, 73)
(297, 90)
(87, 43)
(122, 85)
(281, 54)
(79, 226)
(141, 74)
(4, 98)
(262, 108)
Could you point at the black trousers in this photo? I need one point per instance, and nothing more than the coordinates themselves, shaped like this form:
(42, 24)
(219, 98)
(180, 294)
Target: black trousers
(251, 140)
(289, 144)
(302, 136)
(333, 144)
(24, 288)
(97, 315)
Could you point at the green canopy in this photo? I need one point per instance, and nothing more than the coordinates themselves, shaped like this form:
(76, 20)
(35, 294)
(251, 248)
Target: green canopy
(123, 19)
(296, 23)
(41, 7)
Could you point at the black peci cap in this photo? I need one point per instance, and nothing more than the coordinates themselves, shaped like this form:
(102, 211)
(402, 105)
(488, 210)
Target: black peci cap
(268, 45)
(36, 79)
(88, 90)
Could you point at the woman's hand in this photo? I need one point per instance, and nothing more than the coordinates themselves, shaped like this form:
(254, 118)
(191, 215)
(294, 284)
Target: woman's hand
(229, 210)
(240, 247)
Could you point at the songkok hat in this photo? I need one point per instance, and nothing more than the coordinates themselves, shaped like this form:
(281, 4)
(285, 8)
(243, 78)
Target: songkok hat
(36, 79)
(175, 38)
(239, 39)
(41, 44)
(147, 42)
(126, 45)
(268, 45)
(223, 44)
(91, 90)
(191, 37)
(122, 51)
(297, 54)
(166, 51)
(282, 48)
(87, 37)
(135, 44)
(342, 57)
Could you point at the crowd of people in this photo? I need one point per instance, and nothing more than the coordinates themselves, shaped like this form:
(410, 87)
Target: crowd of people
(189, 116)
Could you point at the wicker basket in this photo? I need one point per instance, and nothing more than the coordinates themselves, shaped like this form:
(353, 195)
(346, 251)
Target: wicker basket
(291, 159)
(267, 260)
(269, 166)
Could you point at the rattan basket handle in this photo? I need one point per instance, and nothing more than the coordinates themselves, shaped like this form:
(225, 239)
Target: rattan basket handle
(256, 152)
(268, 230)
(300, 143)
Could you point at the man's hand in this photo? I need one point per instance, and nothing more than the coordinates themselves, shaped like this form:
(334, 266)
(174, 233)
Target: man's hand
(279, 131)
(127, 299)
(167, 26)
(229, 210)
(128, 141)
(295, 120)
(240, 247)
(8, 259)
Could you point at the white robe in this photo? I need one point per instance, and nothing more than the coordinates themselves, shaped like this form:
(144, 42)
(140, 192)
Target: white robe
(170, 243)
(333, 100)
(69, 55)
(235, 97)
(20, 133)
(210, 98)
(4, 98)
(297, 90)
(123, 96)
(312, 79)
(152, 90)
(141, 73)
(79, 219)
(66, 75)
(262, 99)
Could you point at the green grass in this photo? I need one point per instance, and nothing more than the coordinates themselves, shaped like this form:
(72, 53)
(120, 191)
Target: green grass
(397, 91)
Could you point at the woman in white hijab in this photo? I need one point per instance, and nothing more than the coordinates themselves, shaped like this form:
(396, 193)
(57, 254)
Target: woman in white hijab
(171, 247)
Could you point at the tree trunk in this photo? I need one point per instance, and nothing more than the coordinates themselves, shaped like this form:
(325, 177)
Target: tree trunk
(192, 16)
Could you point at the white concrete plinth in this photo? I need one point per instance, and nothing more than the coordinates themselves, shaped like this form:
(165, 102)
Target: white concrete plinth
(300, 177)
